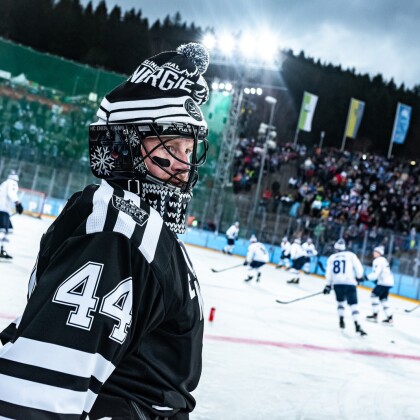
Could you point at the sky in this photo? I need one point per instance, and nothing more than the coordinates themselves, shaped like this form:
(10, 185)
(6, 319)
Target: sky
(375, 36)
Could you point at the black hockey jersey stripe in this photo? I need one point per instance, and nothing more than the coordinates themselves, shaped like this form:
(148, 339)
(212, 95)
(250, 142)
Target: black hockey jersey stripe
(61, 359)
(112, 213)
(48, 377)
(25, 413)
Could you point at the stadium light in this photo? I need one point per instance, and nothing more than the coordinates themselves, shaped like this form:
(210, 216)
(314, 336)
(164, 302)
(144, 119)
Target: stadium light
(247, 45)
(228, 87)
(209, 41)
(267, 46)
(255, 50)
(226, 43)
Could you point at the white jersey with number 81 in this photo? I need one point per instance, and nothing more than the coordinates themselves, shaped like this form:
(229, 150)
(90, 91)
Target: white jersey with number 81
(343, 268)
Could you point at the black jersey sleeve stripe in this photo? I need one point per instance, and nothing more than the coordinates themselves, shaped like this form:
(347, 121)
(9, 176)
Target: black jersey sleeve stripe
(25, 413)
(46, 376)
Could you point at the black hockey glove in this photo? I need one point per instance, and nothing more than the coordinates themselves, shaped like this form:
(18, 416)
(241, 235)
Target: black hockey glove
(245, 262)
(19, 207)
(327, 289)
(360, 280)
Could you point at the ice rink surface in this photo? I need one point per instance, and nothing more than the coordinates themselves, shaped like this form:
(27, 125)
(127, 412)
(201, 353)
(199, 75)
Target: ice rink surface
(263, 360)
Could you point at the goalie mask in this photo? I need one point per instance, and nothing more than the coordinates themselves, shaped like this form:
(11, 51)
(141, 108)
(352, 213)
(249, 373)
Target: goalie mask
(151, 135)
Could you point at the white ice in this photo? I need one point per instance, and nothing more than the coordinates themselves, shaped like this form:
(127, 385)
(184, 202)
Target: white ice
(264, 360)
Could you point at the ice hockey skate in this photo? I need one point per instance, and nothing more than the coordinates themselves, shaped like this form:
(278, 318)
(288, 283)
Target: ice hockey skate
(341, 323)
(388, 321)
(249, 278)
(372, 318)
(294, 280)
(4, 254)
(359, 329)
(258, 277)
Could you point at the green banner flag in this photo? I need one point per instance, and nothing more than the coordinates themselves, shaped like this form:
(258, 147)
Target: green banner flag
(307, 111)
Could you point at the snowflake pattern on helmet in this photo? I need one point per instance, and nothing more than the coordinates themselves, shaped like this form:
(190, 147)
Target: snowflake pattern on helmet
(133, 138)
(139, 165)
(102, 162)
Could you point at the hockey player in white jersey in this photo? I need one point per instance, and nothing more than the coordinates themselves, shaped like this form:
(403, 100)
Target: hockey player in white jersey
(284, 260)
(256, 257)
(311, 252)
(344, 272)
(299, 258)
(382, 275)
(231, 236)
(9, 201)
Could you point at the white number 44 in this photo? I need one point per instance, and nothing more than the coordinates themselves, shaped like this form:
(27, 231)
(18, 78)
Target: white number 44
(79, 291)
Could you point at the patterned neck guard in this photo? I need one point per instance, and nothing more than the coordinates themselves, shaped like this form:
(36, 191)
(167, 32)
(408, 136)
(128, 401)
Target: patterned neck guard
(169, 203)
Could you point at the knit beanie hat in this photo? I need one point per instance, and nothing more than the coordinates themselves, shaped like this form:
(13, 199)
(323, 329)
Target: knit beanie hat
(168, 87)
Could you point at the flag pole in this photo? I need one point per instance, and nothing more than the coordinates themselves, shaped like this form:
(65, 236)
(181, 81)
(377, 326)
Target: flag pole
(343, 144)
(296, 136)
(393, 131)
(298, 122)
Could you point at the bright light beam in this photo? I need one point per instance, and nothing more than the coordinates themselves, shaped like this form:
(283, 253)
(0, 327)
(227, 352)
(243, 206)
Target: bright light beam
(226, 43)
(247, 45)
(209, 41)
(268, 47)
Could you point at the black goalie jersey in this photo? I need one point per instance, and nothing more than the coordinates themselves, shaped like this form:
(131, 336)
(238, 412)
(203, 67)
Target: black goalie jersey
(114, 309)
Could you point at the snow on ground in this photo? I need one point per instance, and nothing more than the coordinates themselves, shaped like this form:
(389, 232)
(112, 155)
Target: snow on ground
(264, 360)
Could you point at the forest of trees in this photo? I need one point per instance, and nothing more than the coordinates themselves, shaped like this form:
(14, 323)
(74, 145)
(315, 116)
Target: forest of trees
(118, 41)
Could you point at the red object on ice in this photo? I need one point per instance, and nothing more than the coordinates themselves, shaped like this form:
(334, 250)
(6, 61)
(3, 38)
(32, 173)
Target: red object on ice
(211, 316)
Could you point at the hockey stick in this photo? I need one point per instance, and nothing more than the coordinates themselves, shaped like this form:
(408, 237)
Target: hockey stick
(321, 266)
(412, 309)
(295, 300)
(225, 269)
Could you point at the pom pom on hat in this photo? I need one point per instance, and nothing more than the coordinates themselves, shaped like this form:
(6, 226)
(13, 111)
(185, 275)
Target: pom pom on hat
(197, 54)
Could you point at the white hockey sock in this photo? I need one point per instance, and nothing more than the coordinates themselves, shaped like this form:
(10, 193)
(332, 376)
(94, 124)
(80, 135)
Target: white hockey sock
(355, 312)
(375, 304)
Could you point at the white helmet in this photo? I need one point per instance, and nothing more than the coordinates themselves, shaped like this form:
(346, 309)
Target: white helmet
(379, 249)
(13, 176)
(340, 245)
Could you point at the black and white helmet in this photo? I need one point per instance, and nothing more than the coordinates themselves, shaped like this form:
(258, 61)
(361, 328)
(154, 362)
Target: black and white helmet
(161, 101)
